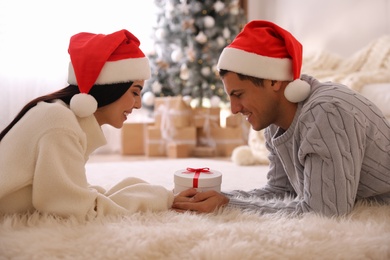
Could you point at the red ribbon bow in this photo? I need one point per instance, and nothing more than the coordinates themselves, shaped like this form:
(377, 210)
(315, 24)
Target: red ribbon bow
(197, 174)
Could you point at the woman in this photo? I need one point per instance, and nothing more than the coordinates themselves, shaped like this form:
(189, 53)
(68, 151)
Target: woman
(44, 150)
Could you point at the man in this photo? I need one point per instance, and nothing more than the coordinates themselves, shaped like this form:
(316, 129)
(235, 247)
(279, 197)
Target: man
(328, 145)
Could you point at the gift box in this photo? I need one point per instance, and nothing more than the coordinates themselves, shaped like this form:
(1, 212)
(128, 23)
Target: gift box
(223, 139)
(203, 179)
(133, 138)
(234, 120)
(206, 116)
(172, 112)
(155, 145)
(157, 141)
(203, 151)
(175, 150)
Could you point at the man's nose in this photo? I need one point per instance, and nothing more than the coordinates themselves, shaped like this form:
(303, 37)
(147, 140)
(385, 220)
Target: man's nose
(235, 106)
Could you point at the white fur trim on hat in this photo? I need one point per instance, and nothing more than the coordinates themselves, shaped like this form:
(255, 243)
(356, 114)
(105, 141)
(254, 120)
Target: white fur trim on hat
(83, 105)
(255, 65)
(297, 91)
(118, 71)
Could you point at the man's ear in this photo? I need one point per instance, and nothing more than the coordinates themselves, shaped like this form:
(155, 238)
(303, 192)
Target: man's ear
(276, 85)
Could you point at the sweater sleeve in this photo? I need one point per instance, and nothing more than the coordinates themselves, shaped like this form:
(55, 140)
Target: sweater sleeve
(278, 186)
(60, 186)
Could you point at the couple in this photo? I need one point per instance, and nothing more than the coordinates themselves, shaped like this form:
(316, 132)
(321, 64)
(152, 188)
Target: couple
(328, 145)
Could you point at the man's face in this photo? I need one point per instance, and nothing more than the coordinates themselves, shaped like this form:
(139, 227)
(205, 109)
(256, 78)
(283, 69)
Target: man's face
(257, 103)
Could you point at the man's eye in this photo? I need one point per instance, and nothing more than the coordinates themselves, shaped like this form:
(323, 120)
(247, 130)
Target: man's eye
(136, 93)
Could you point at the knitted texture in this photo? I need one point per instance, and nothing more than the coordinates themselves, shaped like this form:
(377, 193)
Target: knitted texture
(334, 153)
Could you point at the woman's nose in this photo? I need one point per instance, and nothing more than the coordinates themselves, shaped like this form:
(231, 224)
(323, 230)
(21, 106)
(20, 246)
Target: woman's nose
(137, 103)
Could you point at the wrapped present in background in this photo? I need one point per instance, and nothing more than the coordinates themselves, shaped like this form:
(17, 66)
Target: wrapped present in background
(172, 112)
(206, 115)
(157, 141)
(223, 139)
(155, 145)
(180, 131)
(234, 120)
(203, 151)
(177, 150)
(133, 138)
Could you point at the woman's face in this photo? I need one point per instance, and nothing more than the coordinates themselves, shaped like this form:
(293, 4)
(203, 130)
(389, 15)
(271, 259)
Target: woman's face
(115, 114)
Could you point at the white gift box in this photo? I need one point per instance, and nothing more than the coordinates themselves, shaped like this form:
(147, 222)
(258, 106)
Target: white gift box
(203, 179)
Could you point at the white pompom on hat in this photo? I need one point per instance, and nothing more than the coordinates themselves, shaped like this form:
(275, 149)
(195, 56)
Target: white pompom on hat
(99, 59)
(264, 50)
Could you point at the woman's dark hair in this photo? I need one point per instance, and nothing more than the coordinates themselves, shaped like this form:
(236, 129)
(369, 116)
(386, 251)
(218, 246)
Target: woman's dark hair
(254, 80)
(104, 95)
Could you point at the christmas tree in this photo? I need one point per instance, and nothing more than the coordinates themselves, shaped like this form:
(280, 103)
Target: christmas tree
(188, 38)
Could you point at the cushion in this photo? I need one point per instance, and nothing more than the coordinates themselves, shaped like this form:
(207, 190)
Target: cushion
(379, 94)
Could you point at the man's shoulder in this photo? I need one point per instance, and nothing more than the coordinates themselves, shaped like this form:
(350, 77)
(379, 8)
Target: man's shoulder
(334, 94)
(329, 97)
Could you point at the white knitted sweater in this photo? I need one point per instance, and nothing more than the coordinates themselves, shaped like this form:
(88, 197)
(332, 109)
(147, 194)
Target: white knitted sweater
(42, 167)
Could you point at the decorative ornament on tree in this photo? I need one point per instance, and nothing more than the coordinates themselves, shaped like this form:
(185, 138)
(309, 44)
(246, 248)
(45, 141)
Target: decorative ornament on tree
(219, 6)
(215, 101)
(184, 72)
(177, 55)
(234, 10)
(195, 102)
(191, 55)
(160, 34)
(183, 7)
(209, 21)
(205, 71)
(201, 38)
(169, 10)
(148, 99)
(187, 99)
(221, 42)
(226, 33)
(206, 102)
(156, 87)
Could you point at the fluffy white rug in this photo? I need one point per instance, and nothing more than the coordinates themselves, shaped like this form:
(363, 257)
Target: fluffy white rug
(229, 234)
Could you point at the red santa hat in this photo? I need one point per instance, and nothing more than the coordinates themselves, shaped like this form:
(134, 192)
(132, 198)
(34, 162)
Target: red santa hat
(264, 50)
(99, 59)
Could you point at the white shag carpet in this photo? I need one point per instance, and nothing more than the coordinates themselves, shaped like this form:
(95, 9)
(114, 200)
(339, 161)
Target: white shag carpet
(229, 234)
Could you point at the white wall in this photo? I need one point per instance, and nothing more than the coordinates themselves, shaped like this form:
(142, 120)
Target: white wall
(34, 39)
(339, 26)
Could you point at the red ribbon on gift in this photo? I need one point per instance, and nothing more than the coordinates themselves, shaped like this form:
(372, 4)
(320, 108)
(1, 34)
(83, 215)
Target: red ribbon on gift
(197, 171)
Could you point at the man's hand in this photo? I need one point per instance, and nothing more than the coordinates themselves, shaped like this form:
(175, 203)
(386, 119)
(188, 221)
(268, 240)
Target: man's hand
(191, 199)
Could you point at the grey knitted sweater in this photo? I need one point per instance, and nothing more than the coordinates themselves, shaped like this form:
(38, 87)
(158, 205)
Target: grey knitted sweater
(336, 151)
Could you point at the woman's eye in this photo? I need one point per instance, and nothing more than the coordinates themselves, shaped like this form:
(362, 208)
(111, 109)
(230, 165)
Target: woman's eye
(136, 93)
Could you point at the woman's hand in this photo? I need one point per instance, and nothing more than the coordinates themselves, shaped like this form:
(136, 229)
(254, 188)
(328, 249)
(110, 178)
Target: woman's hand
(193, 200)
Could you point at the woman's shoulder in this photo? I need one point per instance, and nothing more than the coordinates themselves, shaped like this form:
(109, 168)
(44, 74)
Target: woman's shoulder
(56, 113)
(56, 107)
